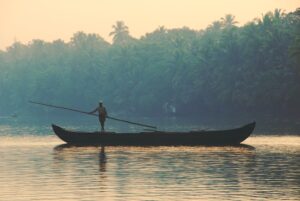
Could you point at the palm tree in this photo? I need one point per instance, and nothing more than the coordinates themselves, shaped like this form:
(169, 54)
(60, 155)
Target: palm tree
(228, 21)
(120, 33)
(161, 29)
(216, 25)
(278, 14)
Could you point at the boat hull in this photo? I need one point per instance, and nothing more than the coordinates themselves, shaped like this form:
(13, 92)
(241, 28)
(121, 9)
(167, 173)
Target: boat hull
(156, 138)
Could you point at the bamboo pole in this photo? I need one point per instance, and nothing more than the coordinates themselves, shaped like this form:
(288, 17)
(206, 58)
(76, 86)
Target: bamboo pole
(87, 113)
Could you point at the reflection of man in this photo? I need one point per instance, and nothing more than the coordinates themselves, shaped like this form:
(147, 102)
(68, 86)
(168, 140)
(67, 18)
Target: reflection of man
(102, 159)
(102, 114)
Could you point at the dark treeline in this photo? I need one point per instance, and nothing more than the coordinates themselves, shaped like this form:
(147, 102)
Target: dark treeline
(222, 70)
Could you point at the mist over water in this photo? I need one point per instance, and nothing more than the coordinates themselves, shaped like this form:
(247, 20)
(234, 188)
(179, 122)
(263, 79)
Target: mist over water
(36, 165)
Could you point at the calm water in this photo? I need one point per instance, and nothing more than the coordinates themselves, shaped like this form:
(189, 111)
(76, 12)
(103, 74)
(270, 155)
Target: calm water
(36, 166)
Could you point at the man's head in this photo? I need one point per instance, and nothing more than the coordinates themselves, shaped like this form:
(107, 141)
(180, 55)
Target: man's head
(100, 103)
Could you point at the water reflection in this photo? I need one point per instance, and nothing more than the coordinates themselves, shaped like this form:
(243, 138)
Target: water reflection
(153, 168)
(266, 170)
(102, 159)
(64, 151)
(183, 173)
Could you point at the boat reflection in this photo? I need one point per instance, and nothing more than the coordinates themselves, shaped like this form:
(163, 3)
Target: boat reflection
(70, 146)
(66, 153)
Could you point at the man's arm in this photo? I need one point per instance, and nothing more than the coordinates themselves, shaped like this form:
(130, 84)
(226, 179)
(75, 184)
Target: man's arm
(95, 110)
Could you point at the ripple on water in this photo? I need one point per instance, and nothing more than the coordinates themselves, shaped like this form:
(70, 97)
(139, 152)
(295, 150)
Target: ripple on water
(35, 168)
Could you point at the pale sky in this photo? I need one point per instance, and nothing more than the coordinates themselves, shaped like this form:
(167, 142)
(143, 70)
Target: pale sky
(25, 20)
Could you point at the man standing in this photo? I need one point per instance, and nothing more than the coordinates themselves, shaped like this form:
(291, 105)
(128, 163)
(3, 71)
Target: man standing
(102, 114)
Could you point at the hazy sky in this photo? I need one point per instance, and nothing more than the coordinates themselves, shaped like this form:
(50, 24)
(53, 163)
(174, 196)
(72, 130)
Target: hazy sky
(24, 20)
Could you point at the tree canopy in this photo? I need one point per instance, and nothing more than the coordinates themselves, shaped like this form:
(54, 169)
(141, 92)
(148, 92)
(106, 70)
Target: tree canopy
(224, 69)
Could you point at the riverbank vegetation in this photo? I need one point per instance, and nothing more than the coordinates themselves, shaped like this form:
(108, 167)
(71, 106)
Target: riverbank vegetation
(224, 69)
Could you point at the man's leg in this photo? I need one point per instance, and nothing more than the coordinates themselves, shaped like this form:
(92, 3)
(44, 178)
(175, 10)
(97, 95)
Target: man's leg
(102, 125)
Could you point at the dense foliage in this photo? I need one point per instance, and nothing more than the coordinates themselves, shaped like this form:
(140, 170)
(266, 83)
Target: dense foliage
(224, 69)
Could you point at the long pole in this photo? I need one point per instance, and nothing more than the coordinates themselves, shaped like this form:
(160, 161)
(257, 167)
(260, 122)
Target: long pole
(83, 112)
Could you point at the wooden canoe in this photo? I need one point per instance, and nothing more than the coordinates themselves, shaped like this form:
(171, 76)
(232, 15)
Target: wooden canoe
(156, 138)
